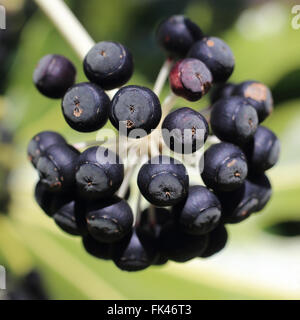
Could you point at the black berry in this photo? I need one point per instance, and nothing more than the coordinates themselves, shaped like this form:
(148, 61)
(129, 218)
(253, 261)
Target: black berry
(216, 55)
(85, 107)
(200, 213)
(99, 173)
(190, 130)
(134, 253)
(177, 34)
(109, 220)
(40, 142)
(225, 167)
(97, 249)
(108, 64)
(163, 181)
(263, 150)
(135, 107)
(234, 120)
(258, 95)
(56, 167)
(53, 75)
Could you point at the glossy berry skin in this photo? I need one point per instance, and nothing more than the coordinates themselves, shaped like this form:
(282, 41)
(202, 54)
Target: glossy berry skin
(99, 173)
(110, 220)
(85, 107)
(190, 79)
(56, 167)
(163, 181)
(97, 249)
(40, 142)
(135, 252)
(190, 130)
(136, 108)
(234, 120)
(108, 64)
(221, 91)
(179, 246)
(177, 34)
(53, 75)
(225, 167)
(200, 213)
(258, 95)
(65, 216)
(263, 150)
(216, 55)
(217, 240)
(251, 197)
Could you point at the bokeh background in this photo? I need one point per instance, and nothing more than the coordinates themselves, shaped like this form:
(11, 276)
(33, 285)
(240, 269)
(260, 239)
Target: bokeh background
(262, 258)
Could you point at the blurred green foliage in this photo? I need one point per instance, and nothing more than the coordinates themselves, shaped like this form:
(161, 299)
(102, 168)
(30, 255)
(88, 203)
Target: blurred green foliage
(272, 56)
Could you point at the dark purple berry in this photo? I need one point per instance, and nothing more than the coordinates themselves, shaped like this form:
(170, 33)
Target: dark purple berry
(258, 95)
(163, 181)
(217, 240)
(225, 167)
(216, 55)
(56, 167)
(190, 79)
(135, 107)
(85, 107)
(185, 130)
(53, 75)
(99, 173)
(109, 220)
(263, 150)
(234, 120)
(40, 142)
(200, 213)
(108, 64)
(177, 34)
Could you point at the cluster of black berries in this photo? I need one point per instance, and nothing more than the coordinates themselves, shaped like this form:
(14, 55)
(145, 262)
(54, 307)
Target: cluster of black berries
(183, 221)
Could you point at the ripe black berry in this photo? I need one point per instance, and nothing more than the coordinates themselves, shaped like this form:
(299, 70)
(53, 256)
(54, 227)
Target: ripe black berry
(56, 167)
(200, 213)
(259, 96)
(225, 167)
(134, 252)
(251, 197)
(53, 75)
(221, 91)
(99, 173)
(108, 64)
(179, 246)
(163, 181)
(85, 107)
(40, 142)
(136, 108)
(234, 120)
(44, 198)
(109, 220)
(190, 130)
(97, 249)
(65, 216)
(190, 79)
(217, 56)
(217, 240)
(177, 34)
(263, 150)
